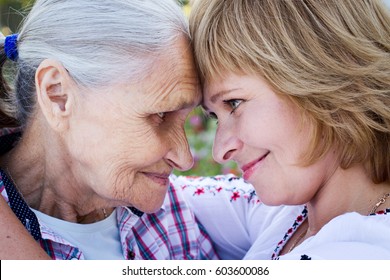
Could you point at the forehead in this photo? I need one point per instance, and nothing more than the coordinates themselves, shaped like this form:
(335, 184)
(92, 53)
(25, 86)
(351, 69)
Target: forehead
(220, 85)
(226, 80)
(173, 80)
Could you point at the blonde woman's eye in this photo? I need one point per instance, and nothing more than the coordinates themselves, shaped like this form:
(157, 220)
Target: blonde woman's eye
(233, 104)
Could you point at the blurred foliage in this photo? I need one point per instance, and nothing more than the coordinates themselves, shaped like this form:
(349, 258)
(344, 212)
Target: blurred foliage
(11, 14)
(183, 2)
(199, 129)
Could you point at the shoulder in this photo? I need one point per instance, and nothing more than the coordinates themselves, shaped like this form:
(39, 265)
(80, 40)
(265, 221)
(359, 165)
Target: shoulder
(349, 236)
(353, 226)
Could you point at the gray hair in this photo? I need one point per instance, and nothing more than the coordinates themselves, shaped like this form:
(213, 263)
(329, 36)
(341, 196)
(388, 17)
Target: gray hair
(96, 41)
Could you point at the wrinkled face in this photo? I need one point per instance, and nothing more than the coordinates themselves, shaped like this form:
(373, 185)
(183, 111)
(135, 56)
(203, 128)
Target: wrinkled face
(127, 139)
(262, 132)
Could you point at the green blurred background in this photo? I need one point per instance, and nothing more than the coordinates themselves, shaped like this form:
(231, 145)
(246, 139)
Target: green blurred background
(200, 130)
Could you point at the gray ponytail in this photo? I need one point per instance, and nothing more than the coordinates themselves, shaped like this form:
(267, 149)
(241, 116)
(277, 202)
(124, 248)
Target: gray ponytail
(96, 41)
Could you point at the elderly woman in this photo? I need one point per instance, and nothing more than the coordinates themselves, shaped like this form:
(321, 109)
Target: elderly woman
(301, 91)
(95, 124)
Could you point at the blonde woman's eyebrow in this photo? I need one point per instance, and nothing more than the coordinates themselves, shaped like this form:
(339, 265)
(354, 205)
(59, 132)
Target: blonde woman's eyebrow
(214, 98)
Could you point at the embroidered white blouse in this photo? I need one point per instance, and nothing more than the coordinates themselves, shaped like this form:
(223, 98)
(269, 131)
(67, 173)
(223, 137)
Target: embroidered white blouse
(243, 227)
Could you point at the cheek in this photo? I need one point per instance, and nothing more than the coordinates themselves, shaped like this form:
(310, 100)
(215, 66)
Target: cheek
(174, 132)
(276, 126)
(119, 150)
(255, 125)
(153, 141)
(145, 147)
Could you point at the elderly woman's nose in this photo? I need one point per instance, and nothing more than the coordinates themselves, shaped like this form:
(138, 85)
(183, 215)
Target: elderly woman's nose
(179, 156)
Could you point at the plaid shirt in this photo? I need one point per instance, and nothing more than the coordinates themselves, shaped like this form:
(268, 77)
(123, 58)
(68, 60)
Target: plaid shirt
(173, 232)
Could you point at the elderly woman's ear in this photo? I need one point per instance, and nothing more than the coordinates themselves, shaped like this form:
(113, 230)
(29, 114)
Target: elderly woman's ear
(54, 89)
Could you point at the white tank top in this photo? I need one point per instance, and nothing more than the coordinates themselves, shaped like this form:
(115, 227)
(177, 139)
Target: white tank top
(97, 241)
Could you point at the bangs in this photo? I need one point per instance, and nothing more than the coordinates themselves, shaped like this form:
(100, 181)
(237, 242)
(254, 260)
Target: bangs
(220, 40)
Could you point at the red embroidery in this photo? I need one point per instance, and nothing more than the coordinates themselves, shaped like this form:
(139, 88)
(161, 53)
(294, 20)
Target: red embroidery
(235, 195)
(199, 191)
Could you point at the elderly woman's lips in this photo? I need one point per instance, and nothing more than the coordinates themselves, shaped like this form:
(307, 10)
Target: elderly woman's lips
(161, 179)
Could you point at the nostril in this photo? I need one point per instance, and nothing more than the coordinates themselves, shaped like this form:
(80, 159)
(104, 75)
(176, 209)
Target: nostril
(182, 165)
(228, 155)
(173, 164)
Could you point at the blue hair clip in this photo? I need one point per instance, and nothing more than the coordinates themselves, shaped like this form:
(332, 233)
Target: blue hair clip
(11, 47)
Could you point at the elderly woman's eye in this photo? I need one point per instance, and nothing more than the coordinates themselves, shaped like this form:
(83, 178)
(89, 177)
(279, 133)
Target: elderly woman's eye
(161, 115)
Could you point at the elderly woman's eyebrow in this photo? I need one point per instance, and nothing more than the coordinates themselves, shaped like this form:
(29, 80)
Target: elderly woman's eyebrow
(181, 105)
(184, 101)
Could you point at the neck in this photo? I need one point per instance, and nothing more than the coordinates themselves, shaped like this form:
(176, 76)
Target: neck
(348, 190)
(25, 165)
(42, 172)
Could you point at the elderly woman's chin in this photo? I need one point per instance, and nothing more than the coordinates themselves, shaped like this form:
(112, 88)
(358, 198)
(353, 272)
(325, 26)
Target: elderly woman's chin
(150, 202)
(147, 192)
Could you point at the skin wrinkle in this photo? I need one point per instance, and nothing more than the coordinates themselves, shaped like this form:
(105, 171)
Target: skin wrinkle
(64, 205)
(111, 137)
(123, 175)
(167, 101)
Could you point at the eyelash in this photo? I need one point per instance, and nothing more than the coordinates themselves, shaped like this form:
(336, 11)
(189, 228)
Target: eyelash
(163, 115)
(230, 104)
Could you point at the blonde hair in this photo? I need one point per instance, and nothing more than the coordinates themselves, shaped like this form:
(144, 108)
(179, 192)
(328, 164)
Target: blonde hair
(331, 58)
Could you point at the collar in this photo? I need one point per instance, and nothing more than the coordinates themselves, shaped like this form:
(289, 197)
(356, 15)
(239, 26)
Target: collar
(25, 215)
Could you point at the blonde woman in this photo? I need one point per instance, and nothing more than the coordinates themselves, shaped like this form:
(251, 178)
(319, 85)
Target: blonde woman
(94, 127)
(91, 129)
(301, 93)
